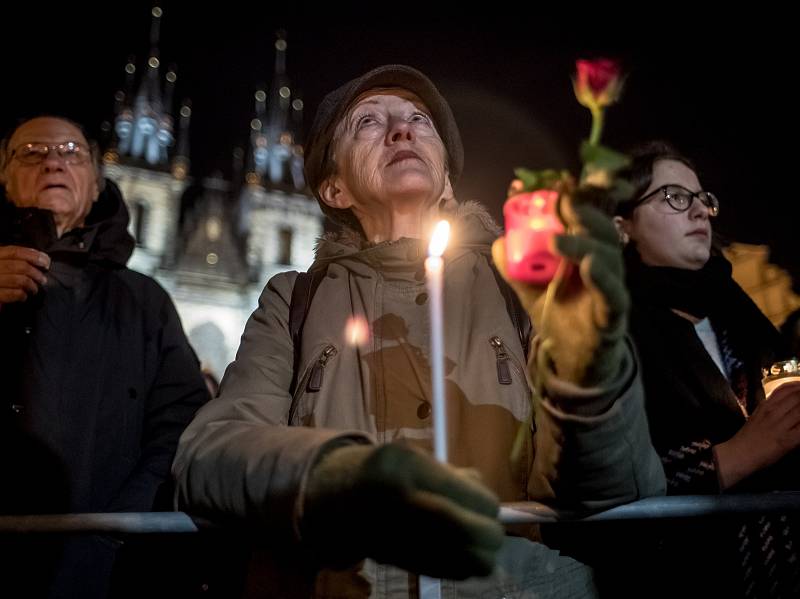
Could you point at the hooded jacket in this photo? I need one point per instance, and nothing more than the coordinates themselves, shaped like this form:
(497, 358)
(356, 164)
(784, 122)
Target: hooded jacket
(98, 377)
(248, 454)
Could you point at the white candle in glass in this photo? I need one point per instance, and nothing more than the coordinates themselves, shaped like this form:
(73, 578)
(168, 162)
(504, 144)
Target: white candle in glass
(434, 276)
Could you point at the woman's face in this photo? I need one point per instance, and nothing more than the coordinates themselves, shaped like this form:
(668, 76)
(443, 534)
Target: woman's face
(664, 236)
(388, 153)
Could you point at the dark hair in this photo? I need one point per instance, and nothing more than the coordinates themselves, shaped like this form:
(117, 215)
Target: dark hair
(640, 173)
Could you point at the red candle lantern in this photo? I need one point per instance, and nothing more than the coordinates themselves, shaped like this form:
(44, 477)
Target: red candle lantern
(531, 222)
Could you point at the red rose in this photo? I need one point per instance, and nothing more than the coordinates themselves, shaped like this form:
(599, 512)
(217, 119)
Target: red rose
(598, 82)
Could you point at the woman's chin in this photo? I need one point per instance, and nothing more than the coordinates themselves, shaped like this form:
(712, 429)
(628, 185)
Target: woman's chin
(697, 261)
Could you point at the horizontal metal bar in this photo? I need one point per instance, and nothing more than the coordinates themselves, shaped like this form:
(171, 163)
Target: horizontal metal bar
(131, 522)
(677, 506)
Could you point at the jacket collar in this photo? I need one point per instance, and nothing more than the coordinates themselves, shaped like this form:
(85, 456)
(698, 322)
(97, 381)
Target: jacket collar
(472, 228)
(103, 238)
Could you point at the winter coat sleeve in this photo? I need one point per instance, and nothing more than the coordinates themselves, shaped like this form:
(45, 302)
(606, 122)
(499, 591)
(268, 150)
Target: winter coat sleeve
(593, 447)
(239, 457)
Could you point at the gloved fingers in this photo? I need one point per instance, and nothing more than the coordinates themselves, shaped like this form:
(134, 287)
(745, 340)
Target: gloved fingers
(609, 294)
(398, 505)
(577, 247)
(394, 466)
(430, 534)
(586, 220)
(471, 473)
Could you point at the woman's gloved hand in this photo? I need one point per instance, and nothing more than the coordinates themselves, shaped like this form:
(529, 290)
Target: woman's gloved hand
(397, 505)
(583, 332)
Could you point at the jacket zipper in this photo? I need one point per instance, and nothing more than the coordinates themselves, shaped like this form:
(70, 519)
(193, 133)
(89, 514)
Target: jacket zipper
(503, 369)
(318, 370)
(504, 363)
(312, 380)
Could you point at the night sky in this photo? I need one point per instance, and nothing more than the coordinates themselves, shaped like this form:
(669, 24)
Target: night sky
(717, 86)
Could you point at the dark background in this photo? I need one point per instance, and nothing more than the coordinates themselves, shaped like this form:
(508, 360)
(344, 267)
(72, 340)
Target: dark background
(721, 86)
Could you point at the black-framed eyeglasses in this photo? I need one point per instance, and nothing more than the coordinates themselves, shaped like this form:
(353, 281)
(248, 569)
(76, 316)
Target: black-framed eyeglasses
(70, 152)
(680, 199)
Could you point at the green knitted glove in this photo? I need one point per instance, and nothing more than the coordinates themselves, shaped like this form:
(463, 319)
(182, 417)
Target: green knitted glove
(584, 328)
(399, 506)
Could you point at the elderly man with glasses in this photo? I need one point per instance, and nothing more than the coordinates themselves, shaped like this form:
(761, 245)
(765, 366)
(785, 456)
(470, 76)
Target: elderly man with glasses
(98, 379)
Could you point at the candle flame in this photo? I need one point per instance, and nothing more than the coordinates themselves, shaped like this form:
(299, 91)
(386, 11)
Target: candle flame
(441, 234)
(356, 331)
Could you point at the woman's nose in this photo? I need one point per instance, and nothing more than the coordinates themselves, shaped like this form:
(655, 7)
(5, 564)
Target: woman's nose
(400, 130)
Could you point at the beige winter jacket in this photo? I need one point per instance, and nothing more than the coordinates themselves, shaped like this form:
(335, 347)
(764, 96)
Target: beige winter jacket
(247, 454)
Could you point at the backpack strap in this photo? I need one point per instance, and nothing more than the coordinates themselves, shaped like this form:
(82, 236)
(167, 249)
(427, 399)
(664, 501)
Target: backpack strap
(305, 286)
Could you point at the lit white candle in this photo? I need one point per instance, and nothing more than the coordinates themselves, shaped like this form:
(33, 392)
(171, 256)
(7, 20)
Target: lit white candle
(434, 276)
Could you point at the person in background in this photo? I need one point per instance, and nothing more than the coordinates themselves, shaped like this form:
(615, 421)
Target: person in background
(99, 380)
(702, 344)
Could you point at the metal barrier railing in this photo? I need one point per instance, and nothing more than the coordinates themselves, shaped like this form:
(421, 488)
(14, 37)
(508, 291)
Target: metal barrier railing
(675, 506)
(678, 506)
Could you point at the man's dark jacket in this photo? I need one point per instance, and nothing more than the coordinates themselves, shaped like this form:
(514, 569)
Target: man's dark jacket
(98, 382)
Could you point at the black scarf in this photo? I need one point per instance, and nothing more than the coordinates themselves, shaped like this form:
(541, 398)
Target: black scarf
(748, 340)
(702, 293)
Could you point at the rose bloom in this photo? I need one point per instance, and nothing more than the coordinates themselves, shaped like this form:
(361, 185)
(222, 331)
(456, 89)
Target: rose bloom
(598, 82)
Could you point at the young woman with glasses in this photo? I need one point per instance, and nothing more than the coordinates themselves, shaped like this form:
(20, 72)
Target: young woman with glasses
(702, 344)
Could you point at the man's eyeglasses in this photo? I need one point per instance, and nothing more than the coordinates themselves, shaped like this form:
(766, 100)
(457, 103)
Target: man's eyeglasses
(680, 199)
(35, 153)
